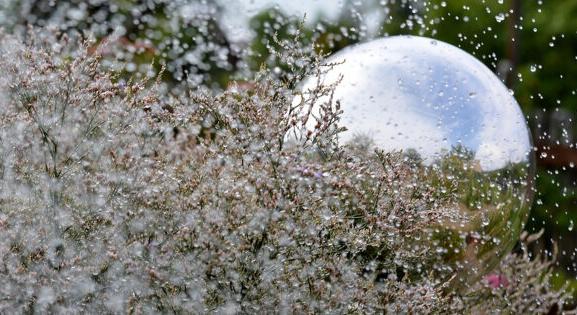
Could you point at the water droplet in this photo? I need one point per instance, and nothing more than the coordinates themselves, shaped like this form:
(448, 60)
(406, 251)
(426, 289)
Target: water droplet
(500, 17)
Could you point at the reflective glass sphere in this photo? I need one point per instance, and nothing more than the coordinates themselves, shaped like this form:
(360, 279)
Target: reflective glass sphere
(447, 111)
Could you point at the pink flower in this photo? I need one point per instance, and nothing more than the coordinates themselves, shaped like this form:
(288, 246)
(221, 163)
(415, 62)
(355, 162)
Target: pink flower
(496, 281)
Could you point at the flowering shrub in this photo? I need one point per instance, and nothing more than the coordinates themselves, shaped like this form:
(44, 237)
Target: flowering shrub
(124, 198)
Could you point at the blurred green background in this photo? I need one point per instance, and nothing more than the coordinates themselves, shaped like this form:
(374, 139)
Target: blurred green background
(531, 45)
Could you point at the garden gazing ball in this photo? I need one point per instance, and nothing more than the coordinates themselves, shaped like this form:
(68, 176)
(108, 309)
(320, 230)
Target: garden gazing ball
(455, 120)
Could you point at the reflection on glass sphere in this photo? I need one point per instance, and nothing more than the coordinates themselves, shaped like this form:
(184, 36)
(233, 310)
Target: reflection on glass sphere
(446, 110)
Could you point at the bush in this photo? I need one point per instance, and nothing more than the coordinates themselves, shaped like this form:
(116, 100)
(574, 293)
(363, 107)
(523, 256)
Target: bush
(122, 197)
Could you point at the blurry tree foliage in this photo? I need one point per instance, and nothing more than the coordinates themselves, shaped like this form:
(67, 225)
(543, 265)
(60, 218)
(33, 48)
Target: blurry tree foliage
(186, 36)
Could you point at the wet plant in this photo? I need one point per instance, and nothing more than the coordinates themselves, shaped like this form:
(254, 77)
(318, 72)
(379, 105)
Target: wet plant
(126, 197)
